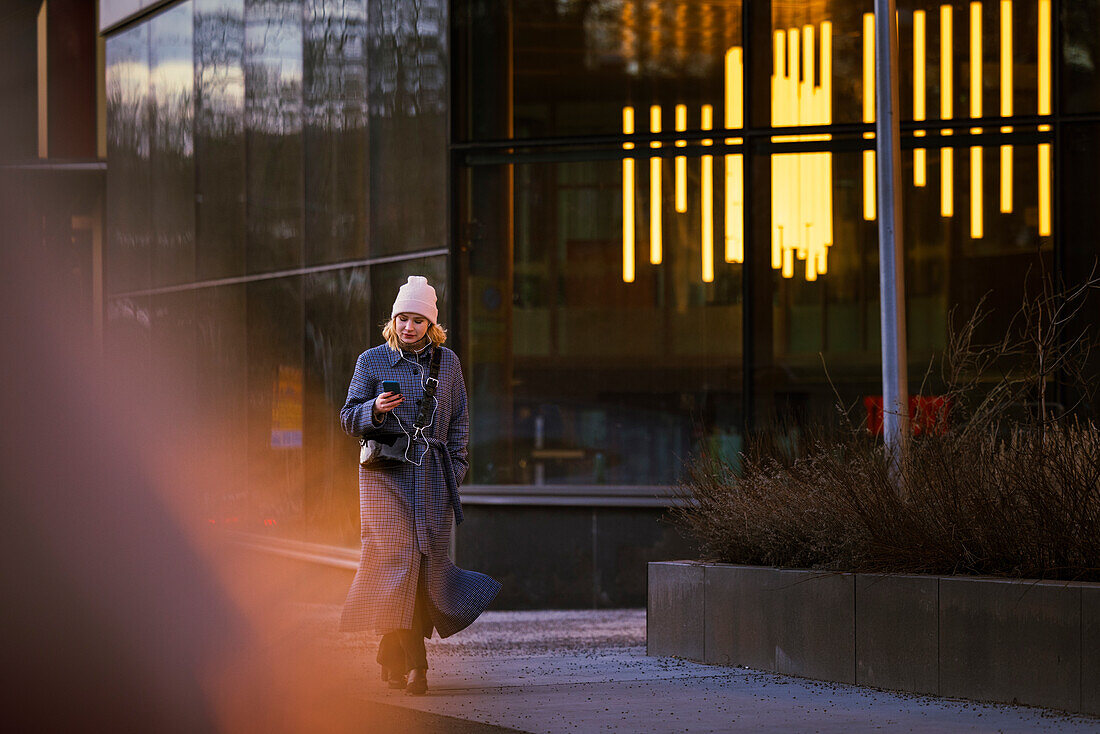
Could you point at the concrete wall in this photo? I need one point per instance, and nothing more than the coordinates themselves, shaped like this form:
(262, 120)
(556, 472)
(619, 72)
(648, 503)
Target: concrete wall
(1028, 642)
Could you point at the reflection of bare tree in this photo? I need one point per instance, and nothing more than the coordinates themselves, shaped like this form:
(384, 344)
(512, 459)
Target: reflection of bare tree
(273, 121)
(335, 129)
(171, 85)
(273, 66)
(336, 331)
(335, 63)
(408, 57)
(219, 74)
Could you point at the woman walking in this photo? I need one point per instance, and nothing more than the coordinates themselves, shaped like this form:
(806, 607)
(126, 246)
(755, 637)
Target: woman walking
(406, 585)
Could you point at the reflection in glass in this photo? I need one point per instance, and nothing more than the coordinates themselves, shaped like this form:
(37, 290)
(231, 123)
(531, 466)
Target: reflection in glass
(835, 319)
(221, 397)
(273, 123)
(335, 98)
(337, 330)
(628, 54)
(128, 201)
(275, 399)
(219, 138)
(576, 376)
(171, 84)
(1080, 88)
(407, 58)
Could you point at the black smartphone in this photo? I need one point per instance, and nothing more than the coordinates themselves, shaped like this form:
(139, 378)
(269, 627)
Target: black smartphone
(391, 386)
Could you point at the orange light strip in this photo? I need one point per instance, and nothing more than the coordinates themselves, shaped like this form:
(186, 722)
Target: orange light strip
(628, 199)
(977, 223)
(681, 161)
(707, 213)
(920, 94)
(1006, 103)
(655, 190)
(947, 110)
(869, 194)
(734, 164)
(1045, 228)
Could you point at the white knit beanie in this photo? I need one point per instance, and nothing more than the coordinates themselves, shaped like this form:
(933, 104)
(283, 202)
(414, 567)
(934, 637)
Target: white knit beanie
(417, 297)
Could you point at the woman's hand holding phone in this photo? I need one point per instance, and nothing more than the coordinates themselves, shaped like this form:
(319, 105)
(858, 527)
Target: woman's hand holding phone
(390, 398)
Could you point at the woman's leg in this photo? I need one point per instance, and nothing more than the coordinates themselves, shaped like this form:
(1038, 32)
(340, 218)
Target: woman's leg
(412, 640)
(391, 656)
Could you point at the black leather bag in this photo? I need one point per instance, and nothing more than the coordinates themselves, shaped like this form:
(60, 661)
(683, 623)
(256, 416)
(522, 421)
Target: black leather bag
(389, 450)
(384, 451)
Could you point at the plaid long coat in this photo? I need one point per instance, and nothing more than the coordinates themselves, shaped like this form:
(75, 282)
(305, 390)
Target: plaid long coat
(406, 512)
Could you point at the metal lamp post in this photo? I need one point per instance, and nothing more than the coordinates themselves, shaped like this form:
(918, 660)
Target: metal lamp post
(895, 387)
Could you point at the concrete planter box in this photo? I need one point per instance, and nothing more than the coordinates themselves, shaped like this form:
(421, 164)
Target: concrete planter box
(1029, 642)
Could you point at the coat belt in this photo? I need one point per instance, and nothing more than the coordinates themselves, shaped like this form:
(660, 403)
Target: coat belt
(448, 475)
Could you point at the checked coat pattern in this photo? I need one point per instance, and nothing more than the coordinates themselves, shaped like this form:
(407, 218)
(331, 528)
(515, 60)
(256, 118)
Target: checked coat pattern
(406, 512)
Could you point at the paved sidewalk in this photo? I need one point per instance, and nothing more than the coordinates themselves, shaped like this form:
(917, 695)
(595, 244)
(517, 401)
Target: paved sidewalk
(586, 671)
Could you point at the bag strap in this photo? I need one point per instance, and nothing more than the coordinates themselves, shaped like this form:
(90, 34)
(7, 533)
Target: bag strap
(430, 385)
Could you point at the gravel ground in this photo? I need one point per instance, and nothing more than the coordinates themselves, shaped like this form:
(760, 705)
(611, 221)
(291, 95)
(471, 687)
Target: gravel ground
(568, 671)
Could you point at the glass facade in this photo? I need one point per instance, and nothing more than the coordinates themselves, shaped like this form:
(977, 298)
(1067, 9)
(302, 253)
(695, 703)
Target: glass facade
(254, 245)
(652, 223)
(671, 288)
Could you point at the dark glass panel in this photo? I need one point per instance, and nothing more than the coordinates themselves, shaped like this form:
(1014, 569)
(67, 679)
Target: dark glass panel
(568, 68)
(275, 402)
(219, 138)
(127, 341)
(952, 262)
(173, 372)
(578, 376)
(386, 278)
(1079, 159)
(222, 397)
(407, 62)
(337, 329)
(172, 161)
(273, 120)
(128, 184)
(1080, 56)
(335, 98)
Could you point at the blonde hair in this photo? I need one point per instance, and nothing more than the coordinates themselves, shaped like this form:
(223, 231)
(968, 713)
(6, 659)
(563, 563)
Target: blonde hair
(436, 334)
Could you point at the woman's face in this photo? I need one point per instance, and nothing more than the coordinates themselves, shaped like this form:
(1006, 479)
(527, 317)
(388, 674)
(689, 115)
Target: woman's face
(411, 327)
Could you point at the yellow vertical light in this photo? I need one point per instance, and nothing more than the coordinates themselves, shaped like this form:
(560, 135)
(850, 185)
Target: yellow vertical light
(788, 262)
(947, 110)
(655, 190)
(869, 204)
(735, 176)
(793, 236)
(1044, 57)
(1044, 190)
(868, 67)
(825, 195)
(920, 94)
(706, 173)
(1045, 228)
(976, 59)
(807, 182)
(628, 199)
(1006, 103)
(977, 225)
(780, 116)
(681, 161)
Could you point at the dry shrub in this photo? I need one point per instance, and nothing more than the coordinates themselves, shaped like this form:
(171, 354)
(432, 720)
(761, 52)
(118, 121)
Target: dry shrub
(982, 495)
(1024, 506)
